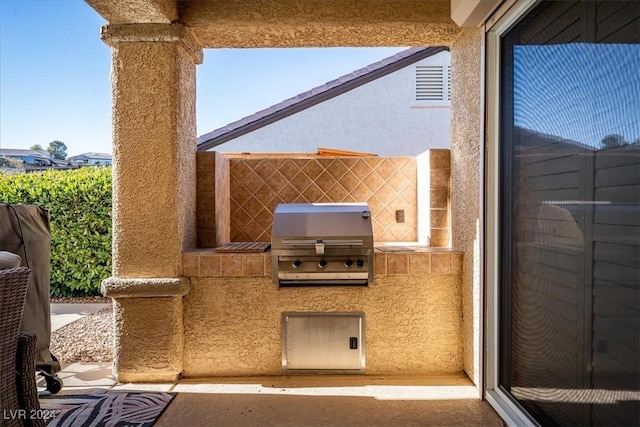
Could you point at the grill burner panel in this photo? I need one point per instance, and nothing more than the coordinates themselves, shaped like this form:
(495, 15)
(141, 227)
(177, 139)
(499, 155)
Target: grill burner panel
(322, 244)
(308, 271)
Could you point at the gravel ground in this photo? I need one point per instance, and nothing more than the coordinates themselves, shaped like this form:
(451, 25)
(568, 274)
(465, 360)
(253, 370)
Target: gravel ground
(89, 339)
(81, 300)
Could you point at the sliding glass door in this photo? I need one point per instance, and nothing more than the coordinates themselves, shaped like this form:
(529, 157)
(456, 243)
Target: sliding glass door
(568, 212)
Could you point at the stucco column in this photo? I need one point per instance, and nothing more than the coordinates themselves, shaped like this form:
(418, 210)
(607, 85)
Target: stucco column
(154, 145)
(466, 183)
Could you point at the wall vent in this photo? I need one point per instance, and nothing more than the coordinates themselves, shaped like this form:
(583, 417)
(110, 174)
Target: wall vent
(433, 82)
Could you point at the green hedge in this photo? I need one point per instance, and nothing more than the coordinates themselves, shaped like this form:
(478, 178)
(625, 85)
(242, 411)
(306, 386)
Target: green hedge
(79, 204)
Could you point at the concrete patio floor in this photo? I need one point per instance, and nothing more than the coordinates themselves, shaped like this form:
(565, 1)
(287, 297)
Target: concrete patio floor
(305, 400)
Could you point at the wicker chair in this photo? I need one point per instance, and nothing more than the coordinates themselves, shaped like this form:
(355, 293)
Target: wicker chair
(13, 292)
(26, 371)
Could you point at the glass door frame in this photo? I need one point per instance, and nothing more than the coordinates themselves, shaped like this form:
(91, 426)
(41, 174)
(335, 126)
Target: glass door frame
(507, 407)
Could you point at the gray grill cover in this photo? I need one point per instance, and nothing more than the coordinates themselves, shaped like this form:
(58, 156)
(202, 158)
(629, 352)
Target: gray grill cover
(35, 252)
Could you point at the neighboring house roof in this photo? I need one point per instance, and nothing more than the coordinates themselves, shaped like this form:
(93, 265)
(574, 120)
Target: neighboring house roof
(53, 165)
(35, 160)
(16, 152)
(96, 156)
(536, 139)
(316, 95)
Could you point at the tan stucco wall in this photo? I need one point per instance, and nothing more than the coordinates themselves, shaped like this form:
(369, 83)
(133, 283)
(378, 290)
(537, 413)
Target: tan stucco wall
(148, 339)
(319, 23)
(294, 23)
(154, 134)
(131, 11)
(232, 325)
(466, 184)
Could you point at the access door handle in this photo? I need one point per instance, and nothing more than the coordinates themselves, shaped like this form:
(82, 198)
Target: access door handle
(353, 343)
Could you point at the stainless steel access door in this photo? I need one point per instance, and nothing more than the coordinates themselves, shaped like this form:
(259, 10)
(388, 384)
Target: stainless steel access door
(323, 342)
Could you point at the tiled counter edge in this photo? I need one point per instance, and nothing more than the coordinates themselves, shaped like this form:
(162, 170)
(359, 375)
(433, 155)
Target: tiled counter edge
(208, 263)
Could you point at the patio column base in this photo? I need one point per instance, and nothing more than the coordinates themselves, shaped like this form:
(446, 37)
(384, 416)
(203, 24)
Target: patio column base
(148, 327)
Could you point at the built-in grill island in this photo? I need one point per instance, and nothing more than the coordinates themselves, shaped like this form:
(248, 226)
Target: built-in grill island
(322, 244)
(408, 322)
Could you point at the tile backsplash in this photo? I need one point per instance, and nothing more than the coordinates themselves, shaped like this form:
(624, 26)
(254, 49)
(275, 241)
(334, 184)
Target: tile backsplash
(236, 196)
(440, 191)
(388, 184)
(212, 199)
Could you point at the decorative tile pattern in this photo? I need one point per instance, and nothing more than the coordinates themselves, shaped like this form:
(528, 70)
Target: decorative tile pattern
(380, 264)
(441, 263)
(439, 198)
(252, 265)
(206, 263)
(440, 159)
(397, 263)
(210, 265)
(206, 238)
(267, 265)
(231, 265)
(439, 218)
(440, 191)
(190, 266)
(386, 183)
(457, 262)
(205, 199)
(222, 210)
(419, 264)
(439, 237)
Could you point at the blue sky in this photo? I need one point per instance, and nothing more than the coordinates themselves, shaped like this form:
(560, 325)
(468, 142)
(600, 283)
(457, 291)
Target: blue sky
(580, 91)
(54, 77)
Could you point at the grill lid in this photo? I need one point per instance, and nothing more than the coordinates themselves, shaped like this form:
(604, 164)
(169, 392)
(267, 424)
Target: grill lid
(334, 223)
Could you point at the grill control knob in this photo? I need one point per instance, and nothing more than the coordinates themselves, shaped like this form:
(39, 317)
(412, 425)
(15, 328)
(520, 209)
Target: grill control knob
(348, 263)
(297, 263)
(360, 263)
(322, 264)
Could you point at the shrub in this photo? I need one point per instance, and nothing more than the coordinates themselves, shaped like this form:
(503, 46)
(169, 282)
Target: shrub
(79, 204)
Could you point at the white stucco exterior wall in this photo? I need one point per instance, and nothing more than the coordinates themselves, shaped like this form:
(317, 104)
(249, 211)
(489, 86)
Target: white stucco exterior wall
(377, 117)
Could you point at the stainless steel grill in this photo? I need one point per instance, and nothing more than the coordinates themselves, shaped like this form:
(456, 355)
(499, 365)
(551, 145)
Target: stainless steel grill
(318, 244)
